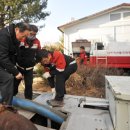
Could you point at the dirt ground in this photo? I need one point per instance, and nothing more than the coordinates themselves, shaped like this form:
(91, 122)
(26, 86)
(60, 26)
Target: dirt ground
(40, 85)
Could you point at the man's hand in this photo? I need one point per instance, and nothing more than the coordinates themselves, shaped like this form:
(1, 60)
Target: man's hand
(46, 75)
(19, 76)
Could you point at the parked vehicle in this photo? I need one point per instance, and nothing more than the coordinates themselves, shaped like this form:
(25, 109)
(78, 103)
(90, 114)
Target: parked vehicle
(116, 55)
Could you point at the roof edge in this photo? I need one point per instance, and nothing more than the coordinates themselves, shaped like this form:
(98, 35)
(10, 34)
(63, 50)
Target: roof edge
(61, 28)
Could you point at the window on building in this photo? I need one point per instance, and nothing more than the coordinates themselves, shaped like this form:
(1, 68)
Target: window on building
(99, 45)
(116, 16)
(126, 15)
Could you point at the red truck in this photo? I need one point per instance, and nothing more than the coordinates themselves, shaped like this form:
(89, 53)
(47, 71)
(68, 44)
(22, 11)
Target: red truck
(116, 55)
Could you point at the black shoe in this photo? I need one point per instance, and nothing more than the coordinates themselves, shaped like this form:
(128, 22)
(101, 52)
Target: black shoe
(55, 103)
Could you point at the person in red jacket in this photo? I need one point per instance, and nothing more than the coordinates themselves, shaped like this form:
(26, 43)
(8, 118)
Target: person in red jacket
(83, 56)
(58, 69)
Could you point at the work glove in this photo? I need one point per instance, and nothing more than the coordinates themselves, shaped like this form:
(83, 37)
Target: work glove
(46, 75)
(53, 93)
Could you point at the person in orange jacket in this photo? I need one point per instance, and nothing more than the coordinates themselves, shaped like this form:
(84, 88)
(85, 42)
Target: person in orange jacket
(58, 68)
(83, 56)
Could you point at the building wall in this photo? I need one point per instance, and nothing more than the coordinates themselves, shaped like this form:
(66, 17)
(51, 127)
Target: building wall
(100, 29)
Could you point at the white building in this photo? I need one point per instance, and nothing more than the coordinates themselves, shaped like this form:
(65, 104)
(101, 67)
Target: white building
(110, 25)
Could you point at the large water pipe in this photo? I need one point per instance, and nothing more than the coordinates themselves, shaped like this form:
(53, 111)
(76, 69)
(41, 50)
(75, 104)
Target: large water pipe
(40, 109)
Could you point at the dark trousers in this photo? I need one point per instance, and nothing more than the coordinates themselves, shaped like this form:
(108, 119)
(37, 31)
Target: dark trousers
(28, 79)
(6, 86)
(58, 81)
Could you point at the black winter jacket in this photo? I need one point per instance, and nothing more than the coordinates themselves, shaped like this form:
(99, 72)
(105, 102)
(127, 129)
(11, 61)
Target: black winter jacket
(8, 49)
(26, 55)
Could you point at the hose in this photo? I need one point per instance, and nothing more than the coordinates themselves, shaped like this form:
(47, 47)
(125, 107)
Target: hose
(40, 109)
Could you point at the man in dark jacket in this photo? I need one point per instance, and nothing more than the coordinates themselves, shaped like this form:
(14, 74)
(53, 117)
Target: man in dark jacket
(9, 40)
(26, 60)
(58, 69)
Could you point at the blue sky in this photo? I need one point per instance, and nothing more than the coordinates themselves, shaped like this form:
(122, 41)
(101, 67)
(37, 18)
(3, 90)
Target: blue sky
(63, 10)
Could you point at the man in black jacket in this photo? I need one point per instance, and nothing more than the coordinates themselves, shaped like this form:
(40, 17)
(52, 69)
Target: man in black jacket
(9, 40)
(26, 60)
